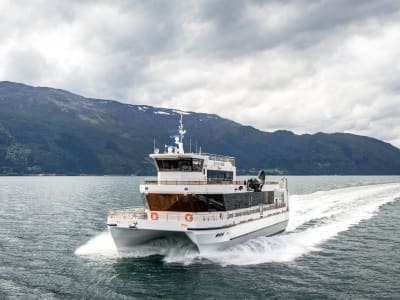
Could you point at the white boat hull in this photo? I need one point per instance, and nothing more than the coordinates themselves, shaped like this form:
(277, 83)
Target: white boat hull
(206, 240)
(125, 238)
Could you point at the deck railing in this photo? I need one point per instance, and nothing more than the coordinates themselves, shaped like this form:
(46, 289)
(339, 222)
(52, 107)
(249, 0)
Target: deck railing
(151, 181)
(131, 214)
(155, 181)
(222, 158)
(128, 213)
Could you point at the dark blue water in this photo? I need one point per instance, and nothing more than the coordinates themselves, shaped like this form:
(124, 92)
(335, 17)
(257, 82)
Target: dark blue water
(342, 242)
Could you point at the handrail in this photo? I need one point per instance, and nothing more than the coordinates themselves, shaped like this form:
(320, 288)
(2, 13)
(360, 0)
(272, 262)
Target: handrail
(155, 181)
(193, 182)
(128, 213)
(217, 157)
(127, 208)
(131, 214)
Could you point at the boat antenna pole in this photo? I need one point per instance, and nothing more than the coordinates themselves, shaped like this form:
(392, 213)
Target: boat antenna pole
(182, 132)
(155, 149)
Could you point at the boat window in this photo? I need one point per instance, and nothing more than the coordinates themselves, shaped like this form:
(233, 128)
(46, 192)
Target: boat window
(180, 202)
(215, 175)
(270, 198)
(245, 200)
(182, 164)
(197, 164)
(185, 165)
(207, 202)
(167, 164)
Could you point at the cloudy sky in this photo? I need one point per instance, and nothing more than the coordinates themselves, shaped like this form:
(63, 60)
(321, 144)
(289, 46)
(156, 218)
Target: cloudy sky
(306, 66)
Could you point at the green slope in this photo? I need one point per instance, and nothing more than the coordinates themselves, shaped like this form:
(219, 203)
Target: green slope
(44, 130)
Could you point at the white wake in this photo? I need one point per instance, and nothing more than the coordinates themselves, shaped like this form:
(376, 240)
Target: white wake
(314, 219)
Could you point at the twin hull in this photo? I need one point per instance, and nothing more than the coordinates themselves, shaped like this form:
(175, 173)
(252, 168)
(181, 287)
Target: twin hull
(206, 239)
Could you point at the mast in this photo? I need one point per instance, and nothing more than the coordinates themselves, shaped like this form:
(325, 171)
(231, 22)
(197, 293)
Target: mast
(182, 131)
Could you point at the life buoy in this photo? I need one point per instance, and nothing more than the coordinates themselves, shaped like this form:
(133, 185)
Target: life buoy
(154, 216)
(189, 217)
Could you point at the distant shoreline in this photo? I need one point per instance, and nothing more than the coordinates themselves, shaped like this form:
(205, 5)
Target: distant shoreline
(154, 175)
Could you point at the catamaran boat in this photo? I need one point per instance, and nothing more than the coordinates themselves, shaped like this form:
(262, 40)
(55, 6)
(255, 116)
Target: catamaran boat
(198, 195)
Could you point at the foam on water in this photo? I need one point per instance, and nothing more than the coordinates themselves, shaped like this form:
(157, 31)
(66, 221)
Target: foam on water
(101, 245)
(314, 219)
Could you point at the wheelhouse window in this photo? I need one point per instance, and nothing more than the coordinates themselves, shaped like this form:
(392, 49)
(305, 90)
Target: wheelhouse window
(197, 164)
(180, 165)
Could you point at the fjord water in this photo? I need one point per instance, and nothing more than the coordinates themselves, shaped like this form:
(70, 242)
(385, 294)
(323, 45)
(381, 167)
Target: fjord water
(342, 242)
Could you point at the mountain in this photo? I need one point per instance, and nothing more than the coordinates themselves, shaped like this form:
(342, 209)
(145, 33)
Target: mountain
(45, 130)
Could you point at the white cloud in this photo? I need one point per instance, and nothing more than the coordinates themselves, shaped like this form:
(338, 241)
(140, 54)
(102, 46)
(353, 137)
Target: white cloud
(303, 66)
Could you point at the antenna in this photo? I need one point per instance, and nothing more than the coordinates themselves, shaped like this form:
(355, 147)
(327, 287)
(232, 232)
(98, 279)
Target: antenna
(179, 140)
(155, 149)
(181, 130)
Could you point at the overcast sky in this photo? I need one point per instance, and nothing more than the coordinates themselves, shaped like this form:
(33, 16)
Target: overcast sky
(306, 66)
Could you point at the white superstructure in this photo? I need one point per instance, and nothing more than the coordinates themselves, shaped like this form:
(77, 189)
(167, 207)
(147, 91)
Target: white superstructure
(199, 196)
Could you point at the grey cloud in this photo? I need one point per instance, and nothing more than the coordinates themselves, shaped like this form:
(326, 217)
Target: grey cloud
(237, 33)
(27, 65)
(306, 66)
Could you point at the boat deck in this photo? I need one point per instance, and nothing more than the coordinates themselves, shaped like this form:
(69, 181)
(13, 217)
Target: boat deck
(155, 181)
(130, 216)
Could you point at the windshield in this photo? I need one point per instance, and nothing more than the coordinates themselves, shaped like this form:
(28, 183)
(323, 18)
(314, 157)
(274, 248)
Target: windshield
(182, 165)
